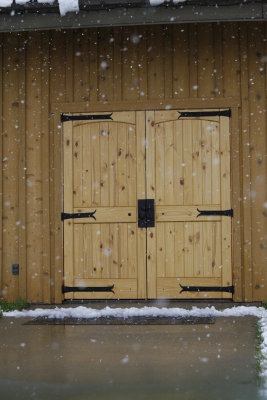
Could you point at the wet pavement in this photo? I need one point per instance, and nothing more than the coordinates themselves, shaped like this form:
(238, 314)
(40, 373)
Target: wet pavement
(181, 362)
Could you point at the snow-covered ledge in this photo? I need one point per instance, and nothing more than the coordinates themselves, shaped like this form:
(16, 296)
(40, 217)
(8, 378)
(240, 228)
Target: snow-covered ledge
(45, 15)
(65, 6)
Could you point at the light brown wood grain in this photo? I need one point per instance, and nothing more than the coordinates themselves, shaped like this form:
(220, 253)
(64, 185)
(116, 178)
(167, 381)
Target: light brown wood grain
(258, 146)
(189, 245)
(1, 158)
(167, 69)
(206, 76)
(68, 206)
(123, 289)
(10, 165)
(103, 247)
(150, 194)
(22, 179)
(46, 283)
(141, 194)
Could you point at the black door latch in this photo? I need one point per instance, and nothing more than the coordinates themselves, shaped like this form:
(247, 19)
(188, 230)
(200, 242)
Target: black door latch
(146, 213)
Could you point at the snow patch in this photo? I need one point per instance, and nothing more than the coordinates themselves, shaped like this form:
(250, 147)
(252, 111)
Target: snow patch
(22, 1)
(66, 6)
(5, 3)
(175, 312)
(158, 2)
(263, 326)
(8, 3)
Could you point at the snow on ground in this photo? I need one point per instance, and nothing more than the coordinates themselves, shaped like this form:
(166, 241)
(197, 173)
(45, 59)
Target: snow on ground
(175, 312)
(84, 312)
(263, 327)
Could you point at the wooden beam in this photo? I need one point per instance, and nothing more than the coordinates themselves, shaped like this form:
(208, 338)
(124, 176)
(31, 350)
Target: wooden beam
(176, 104)
(69, 66)
(258, 147)
(236, 194)
(22, 171)
(142, 57)
(93, 68)
(193, 61)
(182, 60)
(218, 57)
(206, 61)
(168, 63)
(51, 206)
(141, 194)
(155, 66)
(1, 158)
(117, 64)
(231, 62)
(34, 169)
(58, 208)
(246, 172)
(150, 194)
(46, 273)
(10, 165)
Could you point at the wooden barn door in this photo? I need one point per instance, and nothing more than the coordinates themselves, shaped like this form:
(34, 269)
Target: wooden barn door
(188, 171)
(103, 160)
(181, 164)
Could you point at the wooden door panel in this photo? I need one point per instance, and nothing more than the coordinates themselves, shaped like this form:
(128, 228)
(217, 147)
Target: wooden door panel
(100, 176)
(184, 164)
(124, 289)
(104, 164)
(104, 251)
(188, 170)
(170, 288)
(192, 172)
(107, 214)
(185, 213)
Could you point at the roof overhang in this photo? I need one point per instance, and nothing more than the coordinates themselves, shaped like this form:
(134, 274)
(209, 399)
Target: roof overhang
(36, 17)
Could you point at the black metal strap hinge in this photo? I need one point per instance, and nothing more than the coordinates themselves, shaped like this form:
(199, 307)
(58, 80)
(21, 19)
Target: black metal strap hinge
(225, 213)
(78, 215)
(90, 117)
(227, 289)
(68, 289)
(146, 213)
(219, 113)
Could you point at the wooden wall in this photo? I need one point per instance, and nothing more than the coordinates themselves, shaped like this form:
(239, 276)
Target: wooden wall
(155, 67)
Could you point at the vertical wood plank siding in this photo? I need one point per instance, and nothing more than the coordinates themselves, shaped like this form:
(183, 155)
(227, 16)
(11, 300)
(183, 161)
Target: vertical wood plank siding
(137, 68)
(10, 162)
(1, 158)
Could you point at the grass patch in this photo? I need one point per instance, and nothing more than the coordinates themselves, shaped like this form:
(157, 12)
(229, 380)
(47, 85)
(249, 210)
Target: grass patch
(264, 304)
(11, 306)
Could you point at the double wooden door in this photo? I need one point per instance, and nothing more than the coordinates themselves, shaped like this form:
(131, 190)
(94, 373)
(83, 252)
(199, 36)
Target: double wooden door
(181, 163)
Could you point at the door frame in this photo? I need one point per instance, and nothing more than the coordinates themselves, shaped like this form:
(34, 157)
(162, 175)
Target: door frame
(56, 191)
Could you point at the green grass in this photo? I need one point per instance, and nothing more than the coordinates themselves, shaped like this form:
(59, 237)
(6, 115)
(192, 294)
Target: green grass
(11, 306)
(264, 304)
